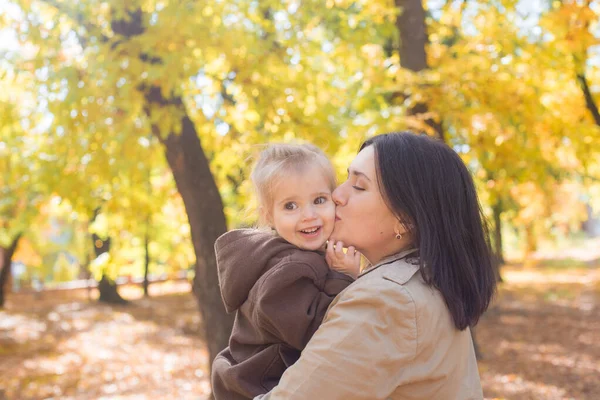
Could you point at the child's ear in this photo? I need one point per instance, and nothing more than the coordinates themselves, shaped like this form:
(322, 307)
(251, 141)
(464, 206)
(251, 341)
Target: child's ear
(265, 216)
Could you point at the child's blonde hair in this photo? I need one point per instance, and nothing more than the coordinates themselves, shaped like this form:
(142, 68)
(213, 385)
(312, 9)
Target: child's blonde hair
(277, 161)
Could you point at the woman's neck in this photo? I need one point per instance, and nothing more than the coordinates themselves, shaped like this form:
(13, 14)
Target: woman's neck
(378, 258)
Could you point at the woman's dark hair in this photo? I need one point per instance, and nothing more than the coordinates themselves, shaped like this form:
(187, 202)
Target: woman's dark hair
(429, 188)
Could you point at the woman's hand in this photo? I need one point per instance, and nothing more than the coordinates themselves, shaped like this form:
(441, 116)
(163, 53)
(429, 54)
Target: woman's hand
(345, 262)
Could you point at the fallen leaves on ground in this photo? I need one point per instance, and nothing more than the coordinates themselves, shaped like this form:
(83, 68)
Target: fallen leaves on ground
(539, 340)
(150, 349)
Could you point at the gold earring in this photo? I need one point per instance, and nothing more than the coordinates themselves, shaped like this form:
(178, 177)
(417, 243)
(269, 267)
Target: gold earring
(398, 235)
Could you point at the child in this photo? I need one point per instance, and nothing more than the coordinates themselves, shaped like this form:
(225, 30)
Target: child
(278, 282)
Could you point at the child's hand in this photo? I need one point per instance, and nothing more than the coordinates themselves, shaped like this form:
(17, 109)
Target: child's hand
(347, 263)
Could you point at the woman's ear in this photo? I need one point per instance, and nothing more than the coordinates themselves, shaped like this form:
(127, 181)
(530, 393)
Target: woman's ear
(402, 227)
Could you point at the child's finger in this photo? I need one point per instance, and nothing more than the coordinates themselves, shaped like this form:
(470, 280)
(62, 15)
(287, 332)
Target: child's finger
(351, 251)
(339, 250)
(329, 251)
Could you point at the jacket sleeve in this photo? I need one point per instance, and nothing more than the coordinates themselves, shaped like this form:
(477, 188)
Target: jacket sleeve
(292, 306)
(336, 282)
(368, 338)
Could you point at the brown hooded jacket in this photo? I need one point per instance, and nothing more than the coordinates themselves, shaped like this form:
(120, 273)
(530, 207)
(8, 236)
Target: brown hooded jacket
(280, 294)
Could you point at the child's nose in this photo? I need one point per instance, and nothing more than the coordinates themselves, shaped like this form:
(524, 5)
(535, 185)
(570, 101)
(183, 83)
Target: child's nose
(309, 213)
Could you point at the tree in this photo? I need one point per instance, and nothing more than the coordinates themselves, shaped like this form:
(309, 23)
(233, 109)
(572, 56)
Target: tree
(6, 254)
(413, 38)
(21, 188)
(134, 89)
(199, 77)
(503, 95)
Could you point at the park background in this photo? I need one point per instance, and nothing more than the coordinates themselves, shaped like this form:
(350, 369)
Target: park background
(127, 129)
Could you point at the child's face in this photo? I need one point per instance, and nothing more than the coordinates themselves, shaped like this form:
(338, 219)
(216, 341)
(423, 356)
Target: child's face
(303, 212)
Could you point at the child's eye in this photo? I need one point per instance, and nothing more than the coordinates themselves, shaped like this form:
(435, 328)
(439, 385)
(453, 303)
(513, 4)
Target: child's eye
(290, 206)
(321, 200)
(358, 188)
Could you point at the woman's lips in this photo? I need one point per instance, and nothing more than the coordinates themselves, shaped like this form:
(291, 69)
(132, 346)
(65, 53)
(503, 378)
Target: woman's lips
(337, 218)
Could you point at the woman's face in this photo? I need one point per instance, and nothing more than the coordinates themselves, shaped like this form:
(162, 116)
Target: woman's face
(363, 219)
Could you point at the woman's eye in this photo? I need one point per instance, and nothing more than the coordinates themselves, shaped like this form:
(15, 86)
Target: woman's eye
(358, 188)
(290, 206)
(321, 200)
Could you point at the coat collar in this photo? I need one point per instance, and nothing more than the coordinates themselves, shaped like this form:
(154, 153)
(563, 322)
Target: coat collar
(409, 272)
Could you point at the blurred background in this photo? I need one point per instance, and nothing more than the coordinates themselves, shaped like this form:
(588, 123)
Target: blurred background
(126, 133)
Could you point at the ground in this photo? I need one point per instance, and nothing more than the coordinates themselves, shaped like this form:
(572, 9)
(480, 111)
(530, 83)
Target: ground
(77, 349)
(540, 338)
(539, 341)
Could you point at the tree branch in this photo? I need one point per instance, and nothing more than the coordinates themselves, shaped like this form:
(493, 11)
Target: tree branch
(591, 178)
(80, 20)
(589, 99)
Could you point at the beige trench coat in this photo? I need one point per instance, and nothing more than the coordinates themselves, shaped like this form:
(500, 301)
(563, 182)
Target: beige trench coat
(388, 336)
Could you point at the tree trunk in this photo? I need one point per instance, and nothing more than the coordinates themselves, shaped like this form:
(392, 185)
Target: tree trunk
(204, 209)
(108, 292)
(88, 276)
(200, 195)
(6, 255)
(147, 257)
(498, 248)
(412, 29)
(530, 239)
(410, 23)
(106, 286)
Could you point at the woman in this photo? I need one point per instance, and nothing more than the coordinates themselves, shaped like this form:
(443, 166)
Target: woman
(401, 331)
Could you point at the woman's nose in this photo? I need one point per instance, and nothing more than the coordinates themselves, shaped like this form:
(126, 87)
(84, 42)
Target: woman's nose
(338, 195)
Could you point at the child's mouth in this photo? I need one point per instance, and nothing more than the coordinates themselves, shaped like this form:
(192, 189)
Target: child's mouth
(311, 232)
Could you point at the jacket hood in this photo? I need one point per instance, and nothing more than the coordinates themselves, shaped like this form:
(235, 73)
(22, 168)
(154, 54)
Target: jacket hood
(243, 255)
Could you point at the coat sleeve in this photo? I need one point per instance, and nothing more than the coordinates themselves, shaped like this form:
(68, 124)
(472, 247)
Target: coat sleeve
(368, 338)
(292, 306)
(336, 282)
